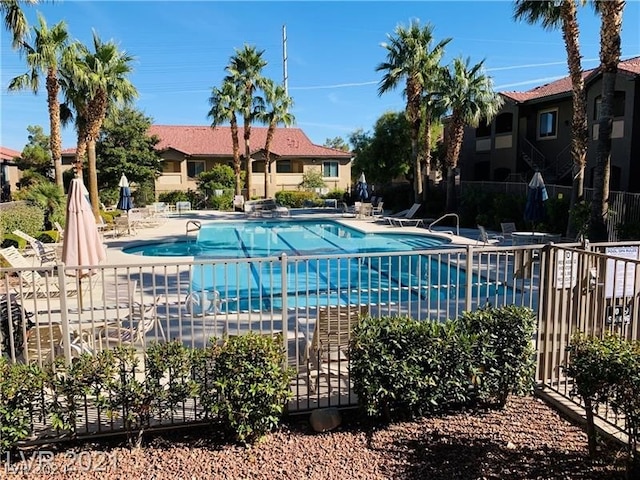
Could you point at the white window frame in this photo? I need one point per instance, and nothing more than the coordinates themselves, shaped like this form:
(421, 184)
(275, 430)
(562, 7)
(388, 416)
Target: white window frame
(554, 132)
(194, 163)
(331, 164)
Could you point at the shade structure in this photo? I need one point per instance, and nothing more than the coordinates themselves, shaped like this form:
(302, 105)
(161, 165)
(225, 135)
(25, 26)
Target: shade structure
(125, 202)
(82, 245)
(361, 188)
(534, 210)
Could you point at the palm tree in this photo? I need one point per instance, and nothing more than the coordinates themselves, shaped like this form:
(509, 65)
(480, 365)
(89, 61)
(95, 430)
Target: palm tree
(96, 81)
(611, 14)
(45, 56)
(411, 58)
(277, 113)
(245, 70)
(433, 108)
(470, 98)
(225, 102)
(553, 14)
(14, 20)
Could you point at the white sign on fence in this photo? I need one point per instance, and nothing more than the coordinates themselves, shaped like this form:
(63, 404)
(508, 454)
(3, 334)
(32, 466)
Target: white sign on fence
(621, 275)
(566, 269)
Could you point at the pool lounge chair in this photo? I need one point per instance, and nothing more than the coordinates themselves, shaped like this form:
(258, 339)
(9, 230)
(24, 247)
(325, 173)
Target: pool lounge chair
(404, 215)
(32, 283)
(44, 253)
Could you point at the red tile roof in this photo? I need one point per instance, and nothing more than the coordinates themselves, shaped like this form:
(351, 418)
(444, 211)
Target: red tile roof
(203, 140)
(563, 85)
(8, 153)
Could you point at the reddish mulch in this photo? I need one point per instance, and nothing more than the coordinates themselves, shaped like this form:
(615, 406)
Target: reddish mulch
(526, 440)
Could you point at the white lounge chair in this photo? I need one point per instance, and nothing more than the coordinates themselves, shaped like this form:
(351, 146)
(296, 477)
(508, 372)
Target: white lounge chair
(404, 215)
(44, 253)
(32, 283)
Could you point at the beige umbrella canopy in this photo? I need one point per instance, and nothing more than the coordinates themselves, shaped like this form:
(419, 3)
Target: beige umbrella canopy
(82, 244)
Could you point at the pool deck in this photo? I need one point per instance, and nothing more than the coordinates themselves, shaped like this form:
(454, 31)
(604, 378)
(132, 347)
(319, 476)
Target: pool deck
(174, 227)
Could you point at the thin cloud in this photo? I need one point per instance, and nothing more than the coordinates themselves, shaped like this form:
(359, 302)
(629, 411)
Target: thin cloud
(338, 85)
(535, 65)
(529, 82)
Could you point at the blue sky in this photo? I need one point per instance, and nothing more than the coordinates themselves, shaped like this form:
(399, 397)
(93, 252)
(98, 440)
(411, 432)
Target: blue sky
(333, 48)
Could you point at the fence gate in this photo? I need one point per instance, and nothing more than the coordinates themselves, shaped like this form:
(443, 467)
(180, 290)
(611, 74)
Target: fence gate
(593, 290)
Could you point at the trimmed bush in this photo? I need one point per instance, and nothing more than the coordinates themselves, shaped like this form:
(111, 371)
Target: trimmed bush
(246, 386)
(295, 198)
(504, 357)
(406, 368)
(20, 386)
(25, 217)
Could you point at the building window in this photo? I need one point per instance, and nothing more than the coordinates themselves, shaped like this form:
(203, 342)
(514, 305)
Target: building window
(194, 168)
(618, 105)
(504, 123)
(484, 129)
(548, 124)
(283, 166)
(330, 169)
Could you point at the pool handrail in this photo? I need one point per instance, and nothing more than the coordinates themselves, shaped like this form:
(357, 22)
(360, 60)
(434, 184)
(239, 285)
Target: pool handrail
(445, 216)
(193, 226)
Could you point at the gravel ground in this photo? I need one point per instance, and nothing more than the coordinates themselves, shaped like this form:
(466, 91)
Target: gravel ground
(527, 440)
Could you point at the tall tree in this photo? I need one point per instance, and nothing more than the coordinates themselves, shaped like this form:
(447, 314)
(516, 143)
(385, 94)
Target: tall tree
(386, 153)
(44, 57)
(225, 102)
(470, 98)
(611, 26)
(14, 19)
(411, 58)
(125, 146)
(554, 14)
(102, 76)
(337, 143)
(245, 70)
(278, 104)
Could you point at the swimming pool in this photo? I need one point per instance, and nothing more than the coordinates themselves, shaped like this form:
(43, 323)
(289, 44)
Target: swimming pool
(293, 237)
(326, 263)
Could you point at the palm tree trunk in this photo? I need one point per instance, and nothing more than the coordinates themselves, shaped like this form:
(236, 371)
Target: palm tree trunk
(247, 157)
(426, 151)
(54, 122)
(456, 135)
(598, 231)
(93, 178)
(611, 13)
(579, 131)
(236, 155)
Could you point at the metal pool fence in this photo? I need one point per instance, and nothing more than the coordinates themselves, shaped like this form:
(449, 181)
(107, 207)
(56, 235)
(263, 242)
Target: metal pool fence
(48, 312)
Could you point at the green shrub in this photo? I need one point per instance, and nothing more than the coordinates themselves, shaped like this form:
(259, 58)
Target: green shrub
(25, 217)
(11, 240)
(173, 197)
(504, 357)
(20, 388)
(221, 202)
(597, 367)
(245, 385)
(405, 368)
(294, 198)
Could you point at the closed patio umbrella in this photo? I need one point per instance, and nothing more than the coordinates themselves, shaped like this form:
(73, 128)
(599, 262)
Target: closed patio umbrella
(534, 210)
(361, 188)
(82, 245)
(125, 203)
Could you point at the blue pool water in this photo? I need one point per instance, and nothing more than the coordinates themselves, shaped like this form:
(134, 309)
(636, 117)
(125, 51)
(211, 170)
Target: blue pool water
(299, 237)
(330, 279)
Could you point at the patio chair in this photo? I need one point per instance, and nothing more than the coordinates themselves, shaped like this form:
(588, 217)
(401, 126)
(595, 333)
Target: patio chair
(32, 283)
(376, 209)
(327, 355)
(44, 343)
(507, 230)
(488, 238)
(44, 253)
(139, 319)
